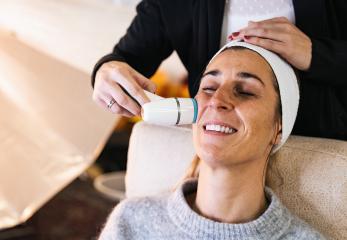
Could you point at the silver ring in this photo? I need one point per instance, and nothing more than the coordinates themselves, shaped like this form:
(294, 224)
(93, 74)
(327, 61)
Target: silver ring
(110, 104)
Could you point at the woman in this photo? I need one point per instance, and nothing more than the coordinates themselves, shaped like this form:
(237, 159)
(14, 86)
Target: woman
(244, 116)
(311, 35)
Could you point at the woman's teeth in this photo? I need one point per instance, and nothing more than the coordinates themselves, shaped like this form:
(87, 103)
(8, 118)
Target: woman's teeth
(219, 128)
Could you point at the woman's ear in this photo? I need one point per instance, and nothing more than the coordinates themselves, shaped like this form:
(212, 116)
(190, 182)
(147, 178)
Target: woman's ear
(278, 133)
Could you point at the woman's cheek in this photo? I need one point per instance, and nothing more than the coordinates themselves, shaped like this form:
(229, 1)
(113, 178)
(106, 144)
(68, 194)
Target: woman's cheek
(257, 122)
(196, 137)
(202, 103)
(197, 131)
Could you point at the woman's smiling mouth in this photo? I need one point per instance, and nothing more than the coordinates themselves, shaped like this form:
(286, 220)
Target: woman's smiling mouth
(221, 129)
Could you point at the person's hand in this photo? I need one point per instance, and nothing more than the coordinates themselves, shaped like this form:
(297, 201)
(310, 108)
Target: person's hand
(108, 93)
(279, 35)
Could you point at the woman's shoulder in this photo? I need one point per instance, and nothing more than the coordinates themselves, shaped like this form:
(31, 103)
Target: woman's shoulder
(129, 219)
(146, 206)
(293, 227)
(302, 230)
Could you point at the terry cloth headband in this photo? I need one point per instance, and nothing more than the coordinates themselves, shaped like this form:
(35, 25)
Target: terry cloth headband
(287, 83)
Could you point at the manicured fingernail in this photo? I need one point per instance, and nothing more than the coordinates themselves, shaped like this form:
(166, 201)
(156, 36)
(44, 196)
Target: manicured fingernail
(235, 34)
(230, 37)
(247, 37)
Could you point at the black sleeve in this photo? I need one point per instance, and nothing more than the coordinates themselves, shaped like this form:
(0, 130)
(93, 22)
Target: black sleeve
(146, 43)
(329, 62)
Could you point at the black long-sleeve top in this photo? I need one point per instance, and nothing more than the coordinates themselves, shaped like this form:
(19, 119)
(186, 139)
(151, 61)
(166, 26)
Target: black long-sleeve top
(193, 29)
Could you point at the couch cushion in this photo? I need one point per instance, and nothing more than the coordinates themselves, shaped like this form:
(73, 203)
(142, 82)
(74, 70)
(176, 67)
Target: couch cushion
(310, 177)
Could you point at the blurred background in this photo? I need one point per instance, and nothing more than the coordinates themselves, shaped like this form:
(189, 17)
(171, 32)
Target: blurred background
(62, 158)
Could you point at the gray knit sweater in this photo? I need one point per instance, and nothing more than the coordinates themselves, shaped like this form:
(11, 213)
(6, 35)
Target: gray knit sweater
(170, 217)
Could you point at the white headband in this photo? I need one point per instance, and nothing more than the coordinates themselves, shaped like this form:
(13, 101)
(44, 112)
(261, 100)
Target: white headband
(287, 83)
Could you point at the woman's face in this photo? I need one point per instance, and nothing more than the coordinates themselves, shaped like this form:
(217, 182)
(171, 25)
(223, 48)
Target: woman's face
(237, 101)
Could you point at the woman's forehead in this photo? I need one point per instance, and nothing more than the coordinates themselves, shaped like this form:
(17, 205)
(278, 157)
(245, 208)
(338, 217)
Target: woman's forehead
(234, 56)
(245, 60)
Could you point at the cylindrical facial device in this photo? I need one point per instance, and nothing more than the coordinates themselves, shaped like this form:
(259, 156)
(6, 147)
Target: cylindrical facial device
(170, 111)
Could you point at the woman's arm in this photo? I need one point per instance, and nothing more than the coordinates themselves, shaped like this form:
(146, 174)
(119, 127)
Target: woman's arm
(329, 62)
(145, 45)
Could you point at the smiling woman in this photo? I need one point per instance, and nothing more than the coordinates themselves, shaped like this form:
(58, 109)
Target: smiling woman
(248, 99)
(237, 82)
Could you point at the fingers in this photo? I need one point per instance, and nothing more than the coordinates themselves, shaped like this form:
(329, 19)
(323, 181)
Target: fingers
(116, 109)
(274, 32)
(118, 81)
(269, 21)
(295, 48)
(127, 80)
(269, 44)
(297, 51)
(123, 99)
(276, 29)
(279, 35)
(144, 82)
(103, 102)
(100, 102)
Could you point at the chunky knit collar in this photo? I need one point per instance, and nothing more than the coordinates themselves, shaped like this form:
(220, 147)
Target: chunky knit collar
(270, 225)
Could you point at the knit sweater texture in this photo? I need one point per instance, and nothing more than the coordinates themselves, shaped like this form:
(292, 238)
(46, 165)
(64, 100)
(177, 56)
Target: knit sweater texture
(170, 217)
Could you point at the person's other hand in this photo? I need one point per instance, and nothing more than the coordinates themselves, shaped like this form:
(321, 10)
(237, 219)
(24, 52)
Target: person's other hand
(109, 81)
(279, 35)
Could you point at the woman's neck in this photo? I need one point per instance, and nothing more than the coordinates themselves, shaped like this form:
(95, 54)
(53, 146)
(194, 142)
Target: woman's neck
(235, 196)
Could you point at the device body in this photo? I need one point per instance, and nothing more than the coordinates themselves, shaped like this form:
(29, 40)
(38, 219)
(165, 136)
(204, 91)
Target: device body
(169, 111)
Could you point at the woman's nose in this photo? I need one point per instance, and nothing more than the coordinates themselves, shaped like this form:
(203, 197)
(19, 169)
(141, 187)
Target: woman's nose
(221, 101)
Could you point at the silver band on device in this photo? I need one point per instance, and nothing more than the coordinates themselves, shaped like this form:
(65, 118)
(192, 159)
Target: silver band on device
(110, 104)
(178, 111)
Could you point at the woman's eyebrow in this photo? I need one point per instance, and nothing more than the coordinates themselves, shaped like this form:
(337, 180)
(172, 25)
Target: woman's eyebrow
(242, 75)
(245, 75)
(212, 72)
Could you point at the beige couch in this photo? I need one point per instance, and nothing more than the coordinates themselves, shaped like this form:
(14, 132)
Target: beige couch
(308, 174)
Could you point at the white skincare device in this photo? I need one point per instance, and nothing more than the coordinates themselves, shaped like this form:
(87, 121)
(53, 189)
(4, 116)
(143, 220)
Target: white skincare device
(169, 111)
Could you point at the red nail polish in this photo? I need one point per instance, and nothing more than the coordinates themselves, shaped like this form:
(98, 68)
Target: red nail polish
(230, 37)
(235, 34)
(247, 37)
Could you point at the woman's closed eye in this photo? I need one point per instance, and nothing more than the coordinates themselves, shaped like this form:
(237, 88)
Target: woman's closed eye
(209, 89)
(245, 90)
(237, 91)
(245, 93)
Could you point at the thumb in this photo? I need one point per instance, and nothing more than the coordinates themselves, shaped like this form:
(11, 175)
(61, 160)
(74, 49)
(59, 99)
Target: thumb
(145, 83)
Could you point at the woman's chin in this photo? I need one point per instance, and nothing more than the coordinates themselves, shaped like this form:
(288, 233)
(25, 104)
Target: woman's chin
(216, 156)
(213, 156)
(214, 146)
